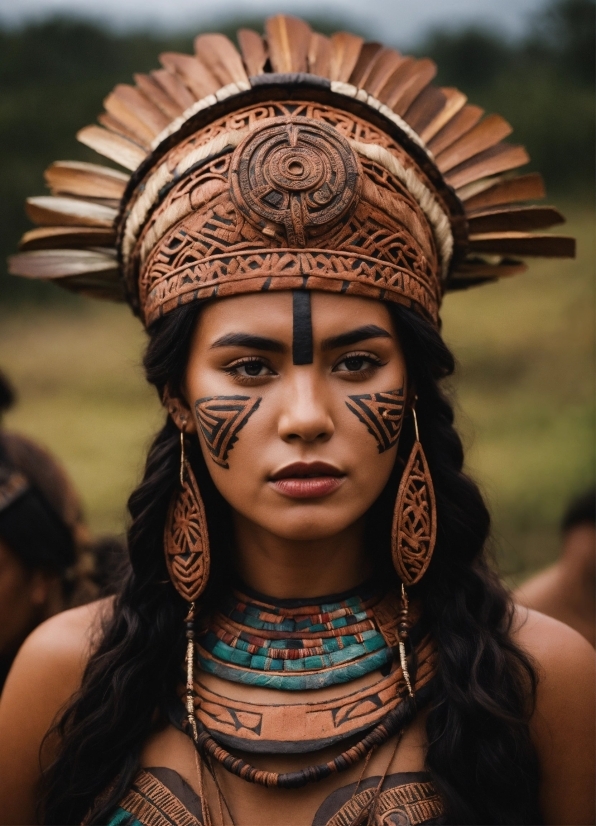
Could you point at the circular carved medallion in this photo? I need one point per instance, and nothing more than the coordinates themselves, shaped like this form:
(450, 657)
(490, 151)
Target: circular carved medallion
(296, 173)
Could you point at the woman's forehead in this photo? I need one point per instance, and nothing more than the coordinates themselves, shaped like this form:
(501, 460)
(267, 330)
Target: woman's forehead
(292, 317)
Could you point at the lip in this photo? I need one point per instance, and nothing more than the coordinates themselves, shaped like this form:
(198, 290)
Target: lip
(307, 480)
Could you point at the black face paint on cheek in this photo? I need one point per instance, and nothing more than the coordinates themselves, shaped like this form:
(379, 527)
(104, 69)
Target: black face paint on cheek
(220, 419)
(302, 349)
(382, 413)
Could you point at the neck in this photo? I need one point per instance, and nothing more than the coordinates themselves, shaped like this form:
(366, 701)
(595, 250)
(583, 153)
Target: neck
(293, 569)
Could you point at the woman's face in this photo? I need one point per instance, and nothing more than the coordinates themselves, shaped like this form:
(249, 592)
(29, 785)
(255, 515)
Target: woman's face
(302, 450)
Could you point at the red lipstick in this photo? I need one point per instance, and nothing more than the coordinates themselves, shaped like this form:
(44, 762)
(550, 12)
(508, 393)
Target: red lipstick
(307, 480)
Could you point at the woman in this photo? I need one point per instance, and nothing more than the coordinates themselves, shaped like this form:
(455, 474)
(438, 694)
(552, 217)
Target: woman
(311, 632)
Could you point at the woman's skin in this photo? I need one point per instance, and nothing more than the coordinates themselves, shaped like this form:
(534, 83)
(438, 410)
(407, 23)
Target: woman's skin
(291, 545)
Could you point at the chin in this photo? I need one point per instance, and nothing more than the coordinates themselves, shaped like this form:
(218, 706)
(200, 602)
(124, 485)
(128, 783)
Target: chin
(304, 529)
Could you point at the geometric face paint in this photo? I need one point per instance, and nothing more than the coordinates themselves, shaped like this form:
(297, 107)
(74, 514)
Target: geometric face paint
(382, 413)
(302, 345)
(220, 419)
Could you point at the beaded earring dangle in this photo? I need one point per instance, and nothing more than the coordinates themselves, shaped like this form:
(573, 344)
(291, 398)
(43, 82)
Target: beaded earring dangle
(413, 533)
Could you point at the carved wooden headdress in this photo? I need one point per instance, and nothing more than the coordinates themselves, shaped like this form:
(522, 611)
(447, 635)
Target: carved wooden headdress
(300, 162)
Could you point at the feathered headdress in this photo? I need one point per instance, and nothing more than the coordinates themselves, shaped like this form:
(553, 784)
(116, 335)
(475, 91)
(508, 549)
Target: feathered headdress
(300, 162)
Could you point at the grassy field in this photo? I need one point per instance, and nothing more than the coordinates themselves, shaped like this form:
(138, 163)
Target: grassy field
(524, 392)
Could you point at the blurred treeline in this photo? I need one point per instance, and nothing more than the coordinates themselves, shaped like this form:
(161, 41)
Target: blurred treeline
(54, 75)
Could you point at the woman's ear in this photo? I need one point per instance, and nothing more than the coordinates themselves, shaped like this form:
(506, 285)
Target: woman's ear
(179, 411)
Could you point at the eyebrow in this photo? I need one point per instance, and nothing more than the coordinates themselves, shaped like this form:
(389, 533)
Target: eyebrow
(251, 341)
(354, 336)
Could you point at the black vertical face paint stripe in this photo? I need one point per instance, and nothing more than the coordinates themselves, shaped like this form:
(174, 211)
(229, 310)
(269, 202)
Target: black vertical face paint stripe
(302, 346)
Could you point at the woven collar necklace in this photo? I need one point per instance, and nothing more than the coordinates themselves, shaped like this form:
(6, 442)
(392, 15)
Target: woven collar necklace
(297, 644)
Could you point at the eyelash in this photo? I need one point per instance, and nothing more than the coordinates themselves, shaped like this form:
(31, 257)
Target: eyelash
(232, 370)
(366, 371)
(374, 363)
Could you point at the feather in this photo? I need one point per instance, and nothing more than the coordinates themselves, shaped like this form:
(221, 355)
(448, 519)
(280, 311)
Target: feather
(319, 55)
(173, 86)
(499, 158)
(425, 108)
(366, 59)
(196, 77)
(112, 124)
(59, 263)
(288, 39)
(135, 110)
(345, 49)
(383, 67)
(253, 51)
(475, 268)
(221, 57)
(401, 100)
(86, 180)
(45, 238)
(485, 134)
(523, 243)
(106, 285)
(48, 209)
(454, 102)
(462, 122)
(155, 92)
(521, 219)
(111, 146)
(497, 192)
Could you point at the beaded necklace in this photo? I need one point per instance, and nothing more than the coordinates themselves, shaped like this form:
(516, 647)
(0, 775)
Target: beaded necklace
(295, 645)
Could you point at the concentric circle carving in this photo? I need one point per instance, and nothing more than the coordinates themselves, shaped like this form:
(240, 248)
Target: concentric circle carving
(297, 174)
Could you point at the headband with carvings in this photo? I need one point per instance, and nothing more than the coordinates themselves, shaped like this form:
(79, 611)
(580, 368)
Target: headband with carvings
(301, 163)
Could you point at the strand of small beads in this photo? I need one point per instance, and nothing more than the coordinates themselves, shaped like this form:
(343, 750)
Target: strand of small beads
(403, 627)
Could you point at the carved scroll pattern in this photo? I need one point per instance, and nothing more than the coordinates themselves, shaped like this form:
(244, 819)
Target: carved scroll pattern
(186, 540)
(415, 519)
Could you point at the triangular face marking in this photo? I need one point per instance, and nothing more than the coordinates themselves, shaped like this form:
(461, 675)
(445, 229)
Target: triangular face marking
(382, 413)
(220, 418)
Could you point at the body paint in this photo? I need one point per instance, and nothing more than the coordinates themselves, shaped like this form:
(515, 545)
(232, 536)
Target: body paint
(220, 419)
(302, 346)
(382, 413)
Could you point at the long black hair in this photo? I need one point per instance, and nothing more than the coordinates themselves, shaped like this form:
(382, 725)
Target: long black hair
(479, 750)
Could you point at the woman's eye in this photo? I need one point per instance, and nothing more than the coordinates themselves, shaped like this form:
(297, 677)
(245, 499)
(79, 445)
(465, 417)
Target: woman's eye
(356, 364)
(254, 369)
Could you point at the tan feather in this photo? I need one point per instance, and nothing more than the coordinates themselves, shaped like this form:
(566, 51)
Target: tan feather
(155, 92)
(126, 99)
(497, 192)
(48, 209)
(522, 243)
(49, 264)
(221, 57)
(366, 60)
(485, 134)
(45, 238)
(520, 219)
(174, 87)
(195, 75)
(383, 67)
(464, 120)
(425, 108)
(105, 285)
(454, 102)
(472, 269)
(499, 158)
(288, 39)
(345, 49)
(401, 100)
(114, 125)
(319, 55)
(111, 146)
(253, 51)
(86, 180)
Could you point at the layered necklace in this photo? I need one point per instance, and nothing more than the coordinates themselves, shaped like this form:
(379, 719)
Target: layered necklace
(302, 653)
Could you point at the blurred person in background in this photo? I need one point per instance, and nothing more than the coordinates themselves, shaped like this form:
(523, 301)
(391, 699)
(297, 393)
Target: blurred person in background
(567, 589)
(46, 560)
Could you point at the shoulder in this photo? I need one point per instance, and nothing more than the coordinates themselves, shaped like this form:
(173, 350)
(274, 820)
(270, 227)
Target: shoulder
(562, 724)
(45, 674)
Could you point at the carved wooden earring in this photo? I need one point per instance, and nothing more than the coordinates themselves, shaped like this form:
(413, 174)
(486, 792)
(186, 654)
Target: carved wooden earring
(414, 530)
(186, 539)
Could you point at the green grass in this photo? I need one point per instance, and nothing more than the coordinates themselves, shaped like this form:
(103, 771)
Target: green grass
(524, 393)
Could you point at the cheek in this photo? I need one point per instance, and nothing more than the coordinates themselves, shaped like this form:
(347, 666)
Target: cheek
(220, 420)
(381, 414)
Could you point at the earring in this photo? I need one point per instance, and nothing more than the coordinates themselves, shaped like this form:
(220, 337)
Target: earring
(414, 530)
(185, 537)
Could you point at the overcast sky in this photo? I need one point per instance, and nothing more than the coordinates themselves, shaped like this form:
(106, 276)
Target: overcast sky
(407, 19)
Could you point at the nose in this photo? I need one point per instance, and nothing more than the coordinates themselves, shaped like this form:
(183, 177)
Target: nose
(306, 413)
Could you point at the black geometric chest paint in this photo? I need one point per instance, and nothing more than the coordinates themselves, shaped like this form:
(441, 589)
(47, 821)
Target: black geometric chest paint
(220, 419)
(382, 413)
